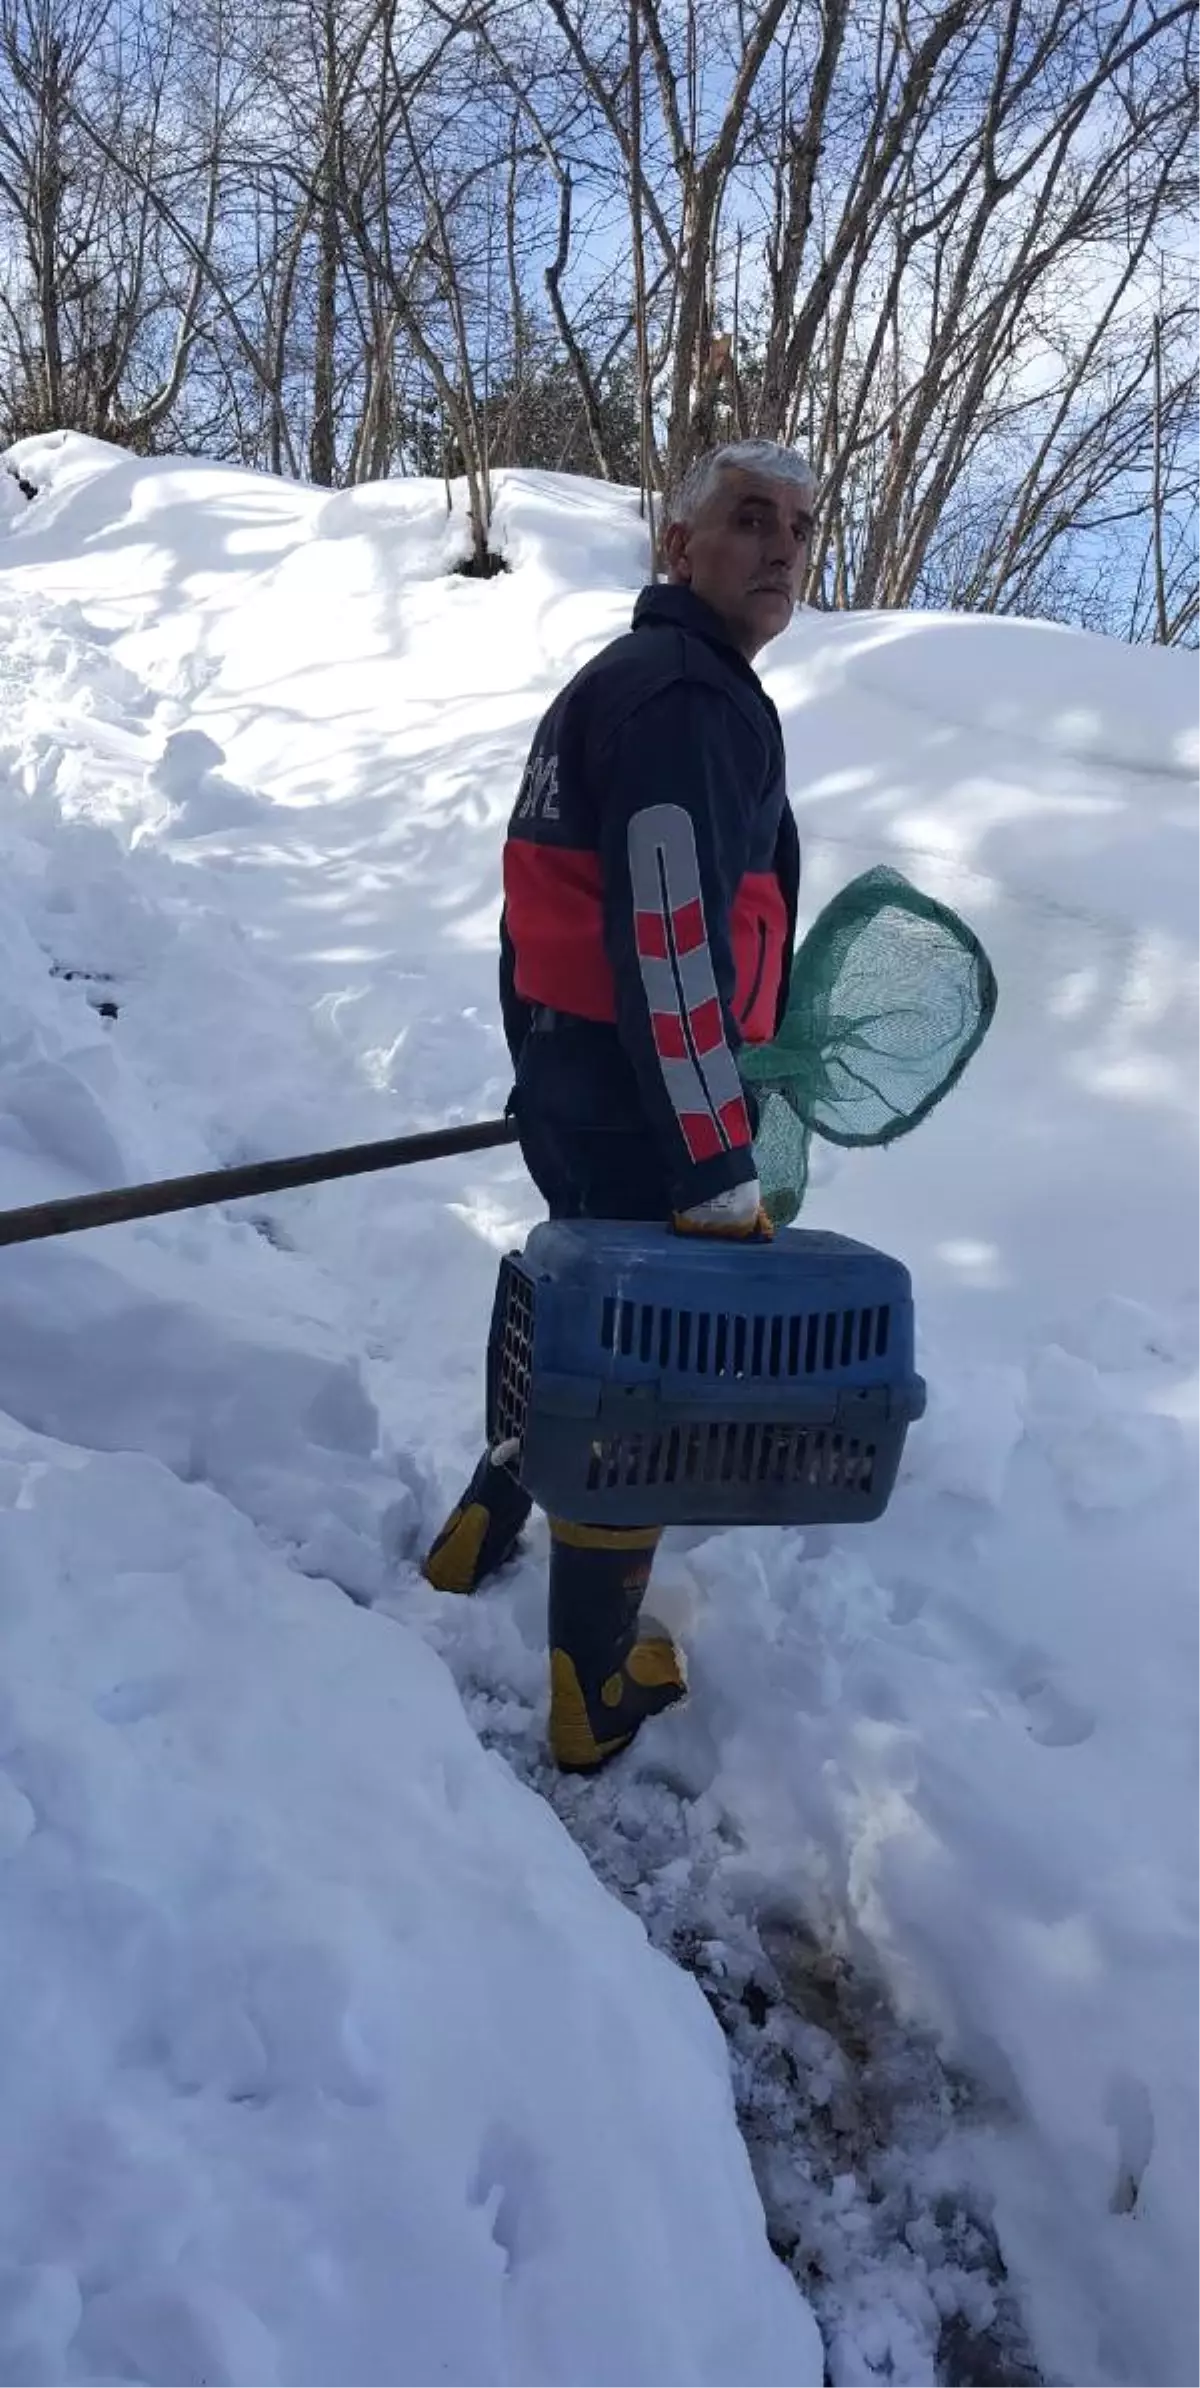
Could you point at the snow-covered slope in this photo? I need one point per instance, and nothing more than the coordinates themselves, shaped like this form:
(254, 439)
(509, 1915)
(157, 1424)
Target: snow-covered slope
(323, 2056)
(305, 1987)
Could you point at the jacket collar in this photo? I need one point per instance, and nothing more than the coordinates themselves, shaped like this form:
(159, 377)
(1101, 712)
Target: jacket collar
(679, 607)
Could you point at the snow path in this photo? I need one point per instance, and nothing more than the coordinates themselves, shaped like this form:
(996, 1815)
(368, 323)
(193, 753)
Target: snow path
(863, 2141)
(925, 1832)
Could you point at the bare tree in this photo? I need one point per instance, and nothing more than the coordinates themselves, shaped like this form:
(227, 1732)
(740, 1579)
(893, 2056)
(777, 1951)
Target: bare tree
(941, 243)
(100, 329)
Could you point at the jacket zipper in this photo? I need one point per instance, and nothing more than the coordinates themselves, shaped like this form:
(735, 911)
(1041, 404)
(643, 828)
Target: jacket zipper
(752, 997)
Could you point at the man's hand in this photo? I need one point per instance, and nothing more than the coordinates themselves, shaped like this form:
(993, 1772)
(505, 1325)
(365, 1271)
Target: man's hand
(736, 1216)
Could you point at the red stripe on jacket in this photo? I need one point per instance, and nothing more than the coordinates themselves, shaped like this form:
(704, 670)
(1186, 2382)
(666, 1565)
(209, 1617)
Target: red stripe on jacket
(553, 906)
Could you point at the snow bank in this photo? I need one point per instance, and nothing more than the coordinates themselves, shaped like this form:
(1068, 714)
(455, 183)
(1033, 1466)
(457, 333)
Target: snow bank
(261, 747)
(12, 500)
(1084, 698)
(324, 2055)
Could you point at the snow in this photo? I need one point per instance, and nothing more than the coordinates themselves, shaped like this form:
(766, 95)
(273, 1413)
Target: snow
(348, 1998)
(12, 499)
(365, 2077)
(326, 2055)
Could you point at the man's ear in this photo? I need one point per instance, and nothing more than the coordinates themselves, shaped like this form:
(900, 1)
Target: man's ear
(674, 547)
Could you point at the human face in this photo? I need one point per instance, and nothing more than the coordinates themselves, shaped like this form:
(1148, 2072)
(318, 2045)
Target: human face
(746, 553)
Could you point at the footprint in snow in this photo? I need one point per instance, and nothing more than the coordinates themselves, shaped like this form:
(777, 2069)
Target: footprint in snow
(1028, 1697)
(139, 1696)
(1055, 1721)
(508, 2186)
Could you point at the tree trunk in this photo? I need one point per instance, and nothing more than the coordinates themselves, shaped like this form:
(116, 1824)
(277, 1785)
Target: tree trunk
(322, 457)
(645, 466)
(1162, 626)
(49, 197)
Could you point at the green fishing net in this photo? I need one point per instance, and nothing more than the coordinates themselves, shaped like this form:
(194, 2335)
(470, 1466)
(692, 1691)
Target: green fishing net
(891, 994)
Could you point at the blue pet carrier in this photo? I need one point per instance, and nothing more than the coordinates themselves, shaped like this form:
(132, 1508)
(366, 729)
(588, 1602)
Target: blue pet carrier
(640, 1378)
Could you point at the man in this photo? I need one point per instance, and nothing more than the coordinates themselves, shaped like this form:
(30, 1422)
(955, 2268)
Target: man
(650, 881)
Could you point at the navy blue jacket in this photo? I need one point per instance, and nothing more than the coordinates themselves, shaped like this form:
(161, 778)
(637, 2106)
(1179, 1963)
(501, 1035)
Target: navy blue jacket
(651, 876)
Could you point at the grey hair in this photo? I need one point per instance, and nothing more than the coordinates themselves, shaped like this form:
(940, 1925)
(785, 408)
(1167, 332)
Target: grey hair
(751, 456)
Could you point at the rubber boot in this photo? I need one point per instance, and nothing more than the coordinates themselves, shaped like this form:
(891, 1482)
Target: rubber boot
(481, 1533)
(605, 1678)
